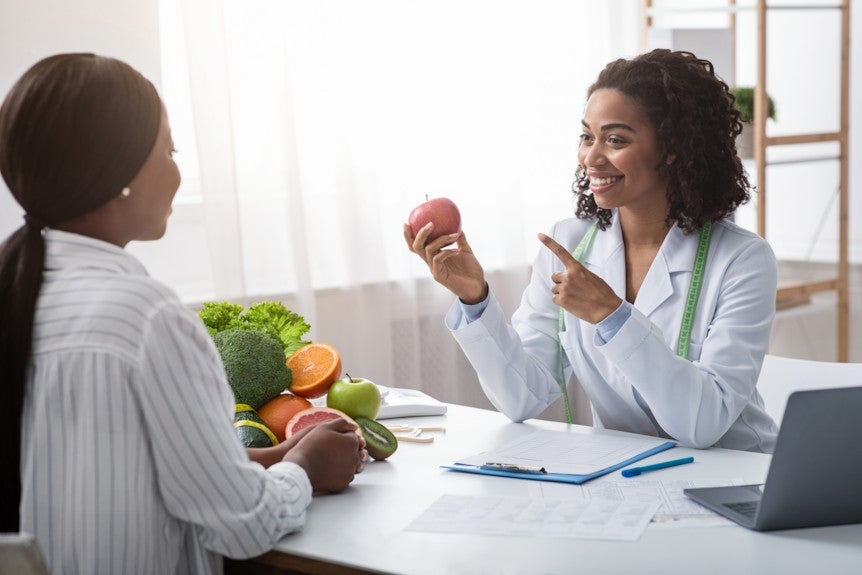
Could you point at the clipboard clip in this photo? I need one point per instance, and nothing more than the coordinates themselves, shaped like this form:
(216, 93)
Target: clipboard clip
(513, 468)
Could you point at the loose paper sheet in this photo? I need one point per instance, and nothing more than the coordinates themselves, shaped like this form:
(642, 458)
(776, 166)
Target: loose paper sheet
(537, 517)
(564, 452)
(676, 509)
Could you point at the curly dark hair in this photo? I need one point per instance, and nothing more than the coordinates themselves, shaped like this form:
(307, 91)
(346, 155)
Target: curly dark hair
(695, 120)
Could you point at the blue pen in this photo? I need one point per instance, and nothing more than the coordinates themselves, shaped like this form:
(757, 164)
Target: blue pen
(638, 470)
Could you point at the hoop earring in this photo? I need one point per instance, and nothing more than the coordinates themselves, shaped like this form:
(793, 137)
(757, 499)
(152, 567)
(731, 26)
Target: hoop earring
(126, 192)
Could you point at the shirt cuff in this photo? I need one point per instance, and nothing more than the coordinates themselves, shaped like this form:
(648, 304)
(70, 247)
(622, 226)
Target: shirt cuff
(472, 312)
(608, 327)
(292, 474)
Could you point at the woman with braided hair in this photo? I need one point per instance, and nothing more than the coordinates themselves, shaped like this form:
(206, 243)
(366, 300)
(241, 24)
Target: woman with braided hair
(659, 304)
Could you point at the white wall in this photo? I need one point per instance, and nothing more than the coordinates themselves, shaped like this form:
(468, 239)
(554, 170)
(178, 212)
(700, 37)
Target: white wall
(33, 29)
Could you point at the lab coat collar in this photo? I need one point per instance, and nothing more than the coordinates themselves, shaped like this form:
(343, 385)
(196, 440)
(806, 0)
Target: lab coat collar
(675, 255)
(606, 245)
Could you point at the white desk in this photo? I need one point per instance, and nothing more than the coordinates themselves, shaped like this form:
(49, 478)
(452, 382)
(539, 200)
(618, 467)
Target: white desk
(362, 529)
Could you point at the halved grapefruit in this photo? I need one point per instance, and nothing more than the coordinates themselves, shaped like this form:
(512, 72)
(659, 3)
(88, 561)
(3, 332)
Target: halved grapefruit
(313, 416)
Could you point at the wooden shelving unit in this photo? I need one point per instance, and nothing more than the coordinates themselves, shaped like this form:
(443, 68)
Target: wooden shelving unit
(798, 292)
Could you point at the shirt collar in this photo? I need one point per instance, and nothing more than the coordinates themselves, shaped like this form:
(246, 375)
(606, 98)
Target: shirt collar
(65, 251)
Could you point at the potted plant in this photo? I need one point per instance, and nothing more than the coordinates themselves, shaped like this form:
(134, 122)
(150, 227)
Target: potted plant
(744, 102)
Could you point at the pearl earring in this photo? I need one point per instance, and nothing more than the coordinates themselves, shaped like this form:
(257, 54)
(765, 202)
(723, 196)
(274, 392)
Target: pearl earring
(126, 192)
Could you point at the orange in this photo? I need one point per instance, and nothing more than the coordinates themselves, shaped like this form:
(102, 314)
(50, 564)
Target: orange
(276, 412)
(314, 367)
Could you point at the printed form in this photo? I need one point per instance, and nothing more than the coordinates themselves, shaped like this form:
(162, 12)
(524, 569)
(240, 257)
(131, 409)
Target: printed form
(603, 508)
(676, 509)
(537, 517)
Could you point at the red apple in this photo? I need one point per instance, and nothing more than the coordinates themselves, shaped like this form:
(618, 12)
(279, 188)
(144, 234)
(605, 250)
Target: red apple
(442, 211)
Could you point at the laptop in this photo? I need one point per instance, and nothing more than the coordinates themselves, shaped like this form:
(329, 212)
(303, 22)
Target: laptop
(815, 475)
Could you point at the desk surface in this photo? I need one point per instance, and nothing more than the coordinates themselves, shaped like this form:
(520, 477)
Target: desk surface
(362, 529)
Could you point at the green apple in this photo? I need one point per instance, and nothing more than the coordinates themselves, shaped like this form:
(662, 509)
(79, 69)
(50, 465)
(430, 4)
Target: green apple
(355, 396)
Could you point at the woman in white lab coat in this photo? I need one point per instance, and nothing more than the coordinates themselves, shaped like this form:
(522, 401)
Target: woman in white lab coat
(659, 305)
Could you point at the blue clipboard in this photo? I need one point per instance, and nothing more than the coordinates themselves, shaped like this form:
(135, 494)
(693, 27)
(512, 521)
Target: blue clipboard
(558, 477)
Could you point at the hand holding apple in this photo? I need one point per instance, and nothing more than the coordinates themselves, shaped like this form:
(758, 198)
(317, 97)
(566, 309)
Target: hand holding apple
(442, 212)
(355, 396)
(454, 267)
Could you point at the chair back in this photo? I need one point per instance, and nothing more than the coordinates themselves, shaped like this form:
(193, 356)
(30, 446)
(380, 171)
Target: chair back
(781, 376)
(19, 554)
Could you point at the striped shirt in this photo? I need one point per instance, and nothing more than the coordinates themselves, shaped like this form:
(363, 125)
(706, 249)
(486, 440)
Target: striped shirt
(129, 460)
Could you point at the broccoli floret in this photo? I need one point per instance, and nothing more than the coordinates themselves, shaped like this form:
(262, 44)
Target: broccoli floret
(254, 362)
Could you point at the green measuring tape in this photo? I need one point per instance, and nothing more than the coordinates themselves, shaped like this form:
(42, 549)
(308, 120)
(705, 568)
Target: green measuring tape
(581, 249)
(694, 290)
(690, 302)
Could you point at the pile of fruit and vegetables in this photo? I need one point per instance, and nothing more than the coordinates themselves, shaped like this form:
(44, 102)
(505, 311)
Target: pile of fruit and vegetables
(274, 374)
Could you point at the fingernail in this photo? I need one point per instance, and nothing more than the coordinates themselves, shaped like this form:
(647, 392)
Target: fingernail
(454, 236)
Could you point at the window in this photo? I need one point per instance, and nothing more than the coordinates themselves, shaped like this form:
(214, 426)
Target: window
(308, 130)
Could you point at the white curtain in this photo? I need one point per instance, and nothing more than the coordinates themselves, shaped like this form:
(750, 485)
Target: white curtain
(308, 130)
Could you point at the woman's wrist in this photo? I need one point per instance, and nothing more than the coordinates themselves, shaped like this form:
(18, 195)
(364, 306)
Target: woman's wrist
(604, 312)
(267, 456)
(473, 300)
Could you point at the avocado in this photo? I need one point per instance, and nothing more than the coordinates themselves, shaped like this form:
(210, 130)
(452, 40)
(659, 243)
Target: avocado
(251, 429)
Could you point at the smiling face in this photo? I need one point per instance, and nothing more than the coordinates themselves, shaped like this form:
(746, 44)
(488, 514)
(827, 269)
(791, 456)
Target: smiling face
(153, 189)
(620, 153)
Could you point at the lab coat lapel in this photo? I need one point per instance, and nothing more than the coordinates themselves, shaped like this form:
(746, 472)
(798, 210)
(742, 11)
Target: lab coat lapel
(675, 255)
(607, 258)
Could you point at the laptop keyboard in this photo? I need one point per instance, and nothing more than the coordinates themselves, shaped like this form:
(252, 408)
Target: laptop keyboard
(746, 508)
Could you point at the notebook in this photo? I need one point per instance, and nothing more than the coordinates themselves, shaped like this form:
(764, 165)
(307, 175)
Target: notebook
(815, 473)
(401, 402)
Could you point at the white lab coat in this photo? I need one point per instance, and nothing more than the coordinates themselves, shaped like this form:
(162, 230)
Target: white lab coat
(636, 382)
